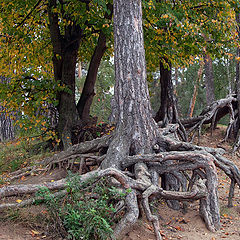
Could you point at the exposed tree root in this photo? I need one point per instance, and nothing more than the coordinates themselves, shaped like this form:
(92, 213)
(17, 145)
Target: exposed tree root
(23, 173)
(212, 114)
(84, 147)
(192, 166)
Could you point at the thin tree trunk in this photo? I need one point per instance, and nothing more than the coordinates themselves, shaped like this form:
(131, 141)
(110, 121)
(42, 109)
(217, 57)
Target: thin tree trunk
(209, 79)
(194, 97)
(85, 101)
(7, 129)
(237, 129)
(237, 67)
(88, 92)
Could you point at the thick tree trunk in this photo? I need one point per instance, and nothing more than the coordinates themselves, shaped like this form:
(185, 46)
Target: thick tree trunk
(166, 112)
(65, 49)
(136, 131)
(68, 115)
(209, 79)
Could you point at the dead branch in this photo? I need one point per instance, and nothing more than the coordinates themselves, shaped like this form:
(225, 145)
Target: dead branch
(212, 114)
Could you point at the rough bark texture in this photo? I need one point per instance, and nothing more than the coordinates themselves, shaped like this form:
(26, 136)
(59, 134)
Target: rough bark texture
(135, 127)
(138, 152)
(209, 79)
(7, 129)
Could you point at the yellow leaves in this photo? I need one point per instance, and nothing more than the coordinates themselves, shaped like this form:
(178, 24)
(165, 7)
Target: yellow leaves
(33, 233)
(43, 123)
(165, 16)
(105, 25)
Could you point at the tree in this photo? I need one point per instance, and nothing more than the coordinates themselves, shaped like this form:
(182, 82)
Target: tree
(175, 32)
(87, 95)
(167, 110)
(65, 51)
(8, 130)
(137, 152)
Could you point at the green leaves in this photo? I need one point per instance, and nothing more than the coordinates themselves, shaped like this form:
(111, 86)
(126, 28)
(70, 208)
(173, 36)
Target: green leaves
(87, 211)
(181, 30)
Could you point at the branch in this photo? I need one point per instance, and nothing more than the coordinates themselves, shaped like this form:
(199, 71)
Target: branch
(28, 15)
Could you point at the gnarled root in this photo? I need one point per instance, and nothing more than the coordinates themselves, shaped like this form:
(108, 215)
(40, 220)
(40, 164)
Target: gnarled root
(130, 217)
(212, 114)
(201, 185)
(76, 150)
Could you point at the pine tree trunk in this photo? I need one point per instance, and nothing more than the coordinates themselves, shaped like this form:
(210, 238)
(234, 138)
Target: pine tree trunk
(136, 131)
(209, 79)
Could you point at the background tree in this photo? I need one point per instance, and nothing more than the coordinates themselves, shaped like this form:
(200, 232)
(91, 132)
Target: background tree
(138, 153)
(66, 29)
(7, 119)
(173, 32)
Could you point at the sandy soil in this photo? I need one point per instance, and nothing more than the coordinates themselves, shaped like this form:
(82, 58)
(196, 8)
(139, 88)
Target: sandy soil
(15, 232)
(174, 224)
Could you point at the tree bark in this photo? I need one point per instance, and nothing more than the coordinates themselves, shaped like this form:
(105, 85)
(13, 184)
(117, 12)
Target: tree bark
(209, 79)
(136, 131)
(166, 112)
(7, 129)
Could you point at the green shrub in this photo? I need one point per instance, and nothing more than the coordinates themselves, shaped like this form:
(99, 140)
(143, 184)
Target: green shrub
(87, 210)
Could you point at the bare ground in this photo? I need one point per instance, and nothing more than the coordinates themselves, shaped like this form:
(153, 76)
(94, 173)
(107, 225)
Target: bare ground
(173, 224)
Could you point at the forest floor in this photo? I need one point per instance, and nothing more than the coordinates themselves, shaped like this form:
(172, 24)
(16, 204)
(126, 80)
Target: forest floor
(26, 224)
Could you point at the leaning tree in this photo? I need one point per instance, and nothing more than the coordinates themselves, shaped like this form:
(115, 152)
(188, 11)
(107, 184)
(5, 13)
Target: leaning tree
(137, 154)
